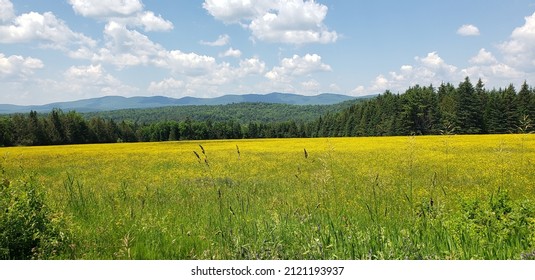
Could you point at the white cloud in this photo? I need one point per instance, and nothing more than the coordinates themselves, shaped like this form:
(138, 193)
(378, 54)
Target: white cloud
(435, 63)
(109, 8)
(126, 47)
(290, 21)
(468, 30)
(294, 22)
(431, 69)
(86, 81)
(381, 83)
(359, 90)
(151, 22)
(251, 66)
(211, 80)
(334, 88)
(498, 74)
(488, 68)
(484, 57)
(127, 12)
(168, 86)
(297, 66)
(77, 82)
(311, 86)
(222, 40)
(231, 53)
(519, 51)
(46, 28)
(189, 63)
(6, 10)
(235, 11)
(18, 67)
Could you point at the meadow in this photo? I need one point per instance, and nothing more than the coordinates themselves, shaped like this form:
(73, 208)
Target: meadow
(425, 197)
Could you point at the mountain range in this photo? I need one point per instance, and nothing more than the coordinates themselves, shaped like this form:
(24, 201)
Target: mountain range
(109, 103)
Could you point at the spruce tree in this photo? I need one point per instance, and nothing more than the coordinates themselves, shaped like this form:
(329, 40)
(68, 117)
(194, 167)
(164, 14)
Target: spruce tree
(470, 116)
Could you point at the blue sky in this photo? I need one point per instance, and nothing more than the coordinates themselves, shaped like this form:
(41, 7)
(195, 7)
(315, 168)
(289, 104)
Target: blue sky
(66, 50)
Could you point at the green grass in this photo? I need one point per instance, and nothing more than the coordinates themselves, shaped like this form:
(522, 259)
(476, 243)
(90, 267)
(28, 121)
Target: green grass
(442, 197)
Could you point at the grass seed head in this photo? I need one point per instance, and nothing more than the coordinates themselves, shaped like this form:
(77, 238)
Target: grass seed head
(197, 155)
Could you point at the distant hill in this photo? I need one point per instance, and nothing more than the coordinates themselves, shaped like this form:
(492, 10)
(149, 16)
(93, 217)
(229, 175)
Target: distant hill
(110, 103)
(243, 113)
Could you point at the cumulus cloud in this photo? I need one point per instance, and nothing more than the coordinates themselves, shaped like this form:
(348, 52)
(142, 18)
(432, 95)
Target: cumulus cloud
(311, 86)
(209, 82)
(519, 50)
(430, 69)
(168, 86)
(46, 28)
(468, 30)
(221, 41)
(128, 12)
(109, 8)
(6, 10)
(235, 11)
(18, 67)
(297, 66)
(150, 22)
(496, 73)
(486, 66)
(251, 66)
(231, 53)
(125, 47)
(291, 21)
(484, 57)
(435, 64)
(87, 80)
(189, 63)
(433, 69)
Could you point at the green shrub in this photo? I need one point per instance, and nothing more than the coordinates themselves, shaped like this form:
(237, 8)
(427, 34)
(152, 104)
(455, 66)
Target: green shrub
(28, 229)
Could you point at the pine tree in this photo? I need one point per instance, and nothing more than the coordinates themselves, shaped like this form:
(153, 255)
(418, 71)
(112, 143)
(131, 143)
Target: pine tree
(510, 103)
(482, 99)
(447, 108)
(526, 104)
(469, 113)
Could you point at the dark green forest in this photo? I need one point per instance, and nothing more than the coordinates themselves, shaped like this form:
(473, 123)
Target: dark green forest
(240, 112)
(420, 110)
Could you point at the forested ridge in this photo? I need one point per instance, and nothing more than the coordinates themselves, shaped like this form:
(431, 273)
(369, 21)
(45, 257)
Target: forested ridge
(240, 112)
(465, 109)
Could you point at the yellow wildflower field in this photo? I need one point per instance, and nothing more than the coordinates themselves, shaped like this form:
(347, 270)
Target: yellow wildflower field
(323, 198)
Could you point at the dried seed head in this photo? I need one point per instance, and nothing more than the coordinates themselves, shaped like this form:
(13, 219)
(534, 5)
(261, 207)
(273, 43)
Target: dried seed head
(197, 155)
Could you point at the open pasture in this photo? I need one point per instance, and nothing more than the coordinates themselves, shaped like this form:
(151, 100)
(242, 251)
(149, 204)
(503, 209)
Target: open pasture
(433, 197)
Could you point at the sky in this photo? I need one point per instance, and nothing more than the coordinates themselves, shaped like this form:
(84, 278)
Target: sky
(64, 50)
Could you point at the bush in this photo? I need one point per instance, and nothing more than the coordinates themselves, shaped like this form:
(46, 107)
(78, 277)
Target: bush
(28, 229)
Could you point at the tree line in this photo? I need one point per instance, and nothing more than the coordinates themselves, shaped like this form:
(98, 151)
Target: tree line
(60, 128)
(240, 112)
(465, 109)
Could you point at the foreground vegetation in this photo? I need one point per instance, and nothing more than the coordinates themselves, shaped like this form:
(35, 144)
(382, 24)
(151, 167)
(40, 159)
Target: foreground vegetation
(432, 197)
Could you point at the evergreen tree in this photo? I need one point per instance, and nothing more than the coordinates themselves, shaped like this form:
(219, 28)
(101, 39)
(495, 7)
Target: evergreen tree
(469, 114)
(526, 106)
(447, 109)
(482, 99)
(511, 108)
(495, 113)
